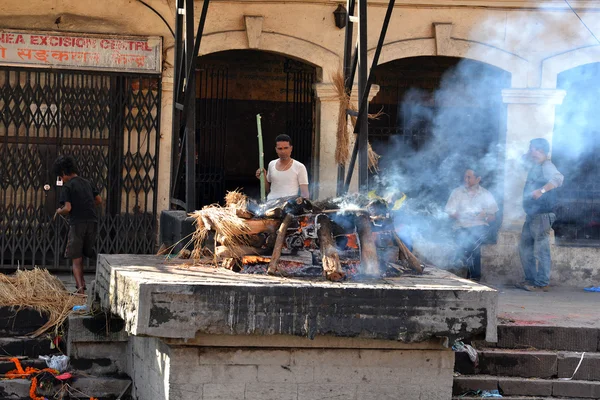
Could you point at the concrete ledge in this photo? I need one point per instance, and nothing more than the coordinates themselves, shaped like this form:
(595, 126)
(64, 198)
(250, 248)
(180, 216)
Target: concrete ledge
(171, 301)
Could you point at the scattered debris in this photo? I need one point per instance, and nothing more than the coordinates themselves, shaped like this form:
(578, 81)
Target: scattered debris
(460, 347)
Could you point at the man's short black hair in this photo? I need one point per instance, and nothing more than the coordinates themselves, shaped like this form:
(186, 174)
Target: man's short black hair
(65, 165)
(283, 138)
(540, 144)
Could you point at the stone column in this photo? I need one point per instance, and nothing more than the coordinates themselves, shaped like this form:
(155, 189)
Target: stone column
(530, 115)
(165, 143)
(327, 117)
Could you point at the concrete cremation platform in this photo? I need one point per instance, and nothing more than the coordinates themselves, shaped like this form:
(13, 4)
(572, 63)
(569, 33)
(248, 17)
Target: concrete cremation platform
(207, 333)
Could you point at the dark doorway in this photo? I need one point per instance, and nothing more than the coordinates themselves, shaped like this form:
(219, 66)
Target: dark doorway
(575, 151)
(440, 115)
(232, 88)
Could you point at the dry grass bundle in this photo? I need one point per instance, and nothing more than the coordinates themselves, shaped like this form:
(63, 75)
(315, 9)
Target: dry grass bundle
(342, 148)
(39, 290)
(230, 229)
(236, 199)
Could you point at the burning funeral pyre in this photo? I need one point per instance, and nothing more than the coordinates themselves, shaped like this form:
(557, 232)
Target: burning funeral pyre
(341, 237)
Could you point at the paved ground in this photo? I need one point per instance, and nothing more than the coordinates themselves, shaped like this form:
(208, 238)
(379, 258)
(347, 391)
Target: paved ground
(566, 307)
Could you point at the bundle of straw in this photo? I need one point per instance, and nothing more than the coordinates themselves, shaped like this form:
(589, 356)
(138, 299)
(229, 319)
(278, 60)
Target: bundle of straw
(236, 199)
(230, 229)
(342, 149)
(39, 290)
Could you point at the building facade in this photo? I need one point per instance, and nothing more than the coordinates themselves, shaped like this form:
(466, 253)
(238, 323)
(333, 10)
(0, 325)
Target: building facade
(459, 83)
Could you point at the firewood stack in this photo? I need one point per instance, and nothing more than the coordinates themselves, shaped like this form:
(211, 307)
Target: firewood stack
(337, 232)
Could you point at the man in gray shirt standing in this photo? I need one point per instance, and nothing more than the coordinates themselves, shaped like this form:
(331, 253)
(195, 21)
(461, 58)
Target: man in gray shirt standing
(539, 202)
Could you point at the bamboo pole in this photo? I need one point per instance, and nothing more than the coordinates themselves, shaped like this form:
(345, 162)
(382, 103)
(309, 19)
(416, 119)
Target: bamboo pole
(261, 160)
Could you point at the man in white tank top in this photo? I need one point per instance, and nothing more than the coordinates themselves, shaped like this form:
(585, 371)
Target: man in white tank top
(285, 176)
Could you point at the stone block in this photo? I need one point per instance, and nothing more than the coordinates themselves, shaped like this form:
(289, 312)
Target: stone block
(317, 357)
(388, 392)
(98, 328)
(581, 389)
(527, 364)
(285, 374)
(548, 337)
(524, 387)
(15, 389)
(185, 392)
(329, 391)
(195, 375)
(464, 384)
(588, 371)
(224, 391)
(232, 373)
(99, 358)
(243, 356)
(271, 391)
(416, 359)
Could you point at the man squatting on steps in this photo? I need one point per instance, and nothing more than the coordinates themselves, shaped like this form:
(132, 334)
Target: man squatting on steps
(285, 176)
(539, 202)
(78, 200)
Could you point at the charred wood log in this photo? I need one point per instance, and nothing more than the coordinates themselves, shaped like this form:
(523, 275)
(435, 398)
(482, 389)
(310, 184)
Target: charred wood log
(368, 252)
(281, 232)
(332, 269)
(405, 254)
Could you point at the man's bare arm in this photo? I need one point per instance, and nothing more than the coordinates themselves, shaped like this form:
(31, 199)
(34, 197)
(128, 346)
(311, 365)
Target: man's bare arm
(64, 210)
(304, 191)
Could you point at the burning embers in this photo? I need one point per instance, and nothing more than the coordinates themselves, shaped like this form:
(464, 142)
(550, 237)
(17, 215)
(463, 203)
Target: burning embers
(295, 237)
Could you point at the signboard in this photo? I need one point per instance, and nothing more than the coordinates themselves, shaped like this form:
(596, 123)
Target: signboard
(81, 51)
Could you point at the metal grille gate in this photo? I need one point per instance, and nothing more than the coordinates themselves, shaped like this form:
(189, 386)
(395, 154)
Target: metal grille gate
(110, 124)
(300, 110)
(211, 131)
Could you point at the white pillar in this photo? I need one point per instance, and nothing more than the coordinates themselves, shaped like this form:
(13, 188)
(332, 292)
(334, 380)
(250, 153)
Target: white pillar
(530, 115)
(327, 118)
(166, 136)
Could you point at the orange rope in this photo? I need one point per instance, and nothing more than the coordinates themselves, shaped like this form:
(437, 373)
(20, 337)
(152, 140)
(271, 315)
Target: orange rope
(19, 372)
(32, 390)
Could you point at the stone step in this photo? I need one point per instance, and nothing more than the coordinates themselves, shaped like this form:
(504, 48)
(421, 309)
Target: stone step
(26, 346)
(531, 364)
(6, 365)
(511, 386)
(20, 323)
(101, 388)
(548, 338)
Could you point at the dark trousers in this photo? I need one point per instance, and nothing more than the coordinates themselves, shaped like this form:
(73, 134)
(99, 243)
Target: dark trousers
(469, 241)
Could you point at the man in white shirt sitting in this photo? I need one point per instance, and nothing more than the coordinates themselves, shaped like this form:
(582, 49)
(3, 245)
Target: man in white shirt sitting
(472, 208)
(285, 176)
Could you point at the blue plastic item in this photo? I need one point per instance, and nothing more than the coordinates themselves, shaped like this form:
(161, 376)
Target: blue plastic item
(80, 308)
(592, 289)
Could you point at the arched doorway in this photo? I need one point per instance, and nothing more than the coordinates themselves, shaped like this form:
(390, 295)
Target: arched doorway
(440, 115)
(575, 149)
(232, 88)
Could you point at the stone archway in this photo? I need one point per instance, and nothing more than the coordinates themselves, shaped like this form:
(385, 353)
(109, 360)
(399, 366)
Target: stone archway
(459, 48)
(324, 59)
(553, 66)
